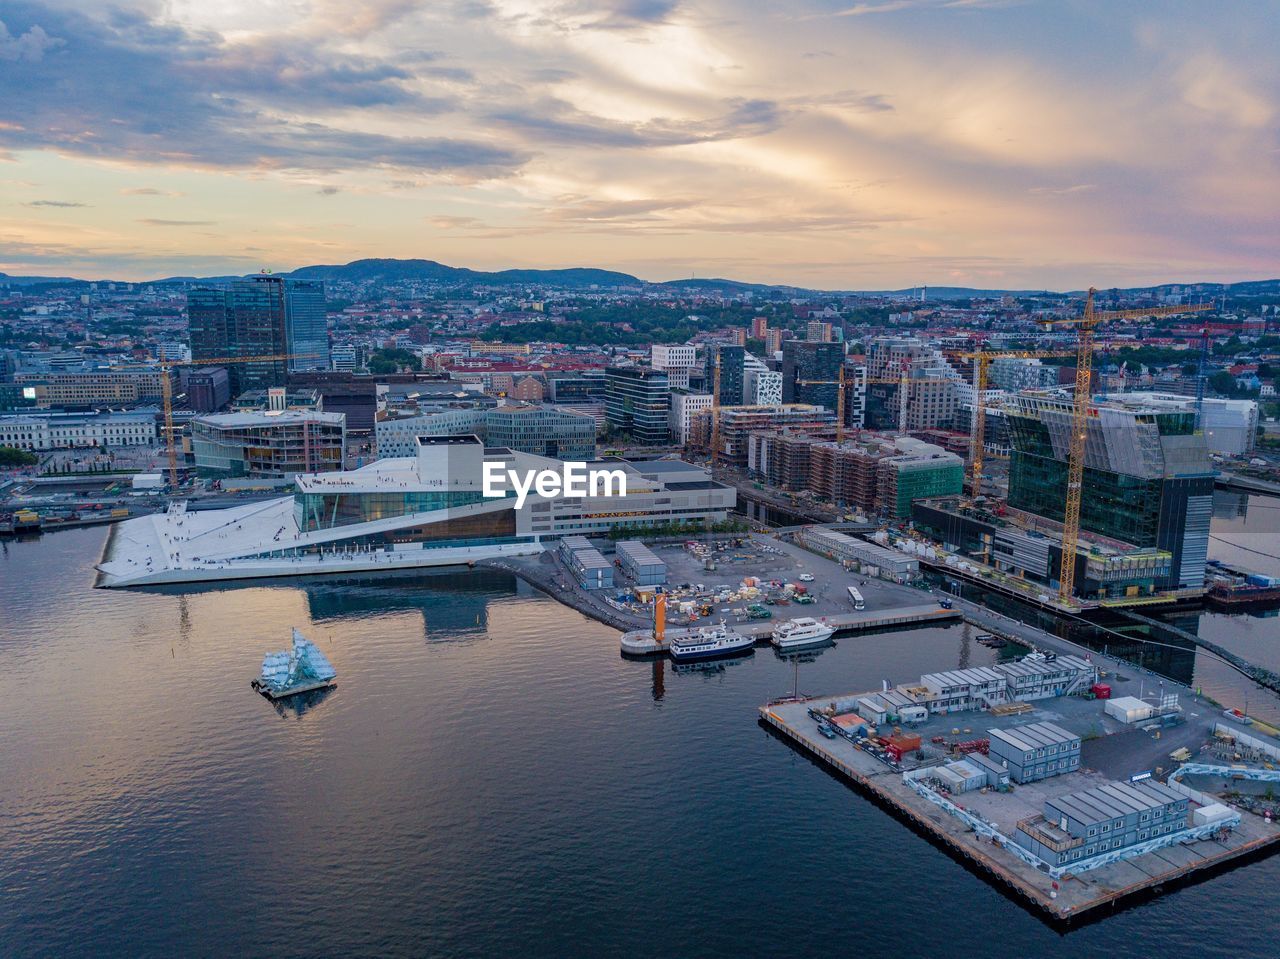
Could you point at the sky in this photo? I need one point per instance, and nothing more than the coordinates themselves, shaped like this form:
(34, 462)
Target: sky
(823, 143)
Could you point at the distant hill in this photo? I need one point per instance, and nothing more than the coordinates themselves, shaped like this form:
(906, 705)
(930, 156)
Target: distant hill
(389, 270)
(398, 271)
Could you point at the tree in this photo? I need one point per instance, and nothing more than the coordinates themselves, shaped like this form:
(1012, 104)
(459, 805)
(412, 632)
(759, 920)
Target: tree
(1223, 382)
(12, 457)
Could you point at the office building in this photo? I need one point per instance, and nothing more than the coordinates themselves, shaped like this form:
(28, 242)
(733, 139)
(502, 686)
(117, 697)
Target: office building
(356, 397)
(306, 325)
(675, 361)
(732, 362)
(1013, 374)
(1148, 481)
(118, 386)
(246, 318)
(208, 388)
(268, 443)
(544, 430)
(684, 407)
(638, 403)
(811, 372)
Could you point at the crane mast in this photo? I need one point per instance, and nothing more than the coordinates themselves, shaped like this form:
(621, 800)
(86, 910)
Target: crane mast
(1086, 325)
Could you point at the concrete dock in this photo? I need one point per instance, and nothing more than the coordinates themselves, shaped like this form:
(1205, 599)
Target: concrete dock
(640, 642)
(1076, 894)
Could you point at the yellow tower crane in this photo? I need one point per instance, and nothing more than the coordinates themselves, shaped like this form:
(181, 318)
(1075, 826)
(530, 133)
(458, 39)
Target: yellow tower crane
(1085, 325)
(166, 394)
(977, 431)
(715, 415)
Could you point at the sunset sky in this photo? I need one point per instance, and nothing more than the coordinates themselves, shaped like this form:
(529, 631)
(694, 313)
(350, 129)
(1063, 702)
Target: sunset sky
(869, 145)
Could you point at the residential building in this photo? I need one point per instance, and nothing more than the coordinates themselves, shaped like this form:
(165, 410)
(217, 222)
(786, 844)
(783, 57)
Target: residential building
(1013, 374)
(738, 423)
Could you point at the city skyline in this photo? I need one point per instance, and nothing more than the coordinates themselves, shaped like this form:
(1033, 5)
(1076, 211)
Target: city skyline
(875, 146)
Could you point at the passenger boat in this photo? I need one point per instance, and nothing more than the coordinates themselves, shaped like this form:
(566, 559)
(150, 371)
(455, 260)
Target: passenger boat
(797, 633)
(709, 641)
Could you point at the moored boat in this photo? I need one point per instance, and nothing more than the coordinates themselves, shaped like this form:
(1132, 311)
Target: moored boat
(797, 633)
(709, 641)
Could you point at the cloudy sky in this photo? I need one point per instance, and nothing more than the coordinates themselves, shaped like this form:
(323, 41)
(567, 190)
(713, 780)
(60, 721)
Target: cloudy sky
(820, 142)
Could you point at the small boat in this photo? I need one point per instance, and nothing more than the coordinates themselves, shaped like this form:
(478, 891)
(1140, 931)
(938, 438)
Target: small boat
(708, 641)
(804, 631)
(299, 669)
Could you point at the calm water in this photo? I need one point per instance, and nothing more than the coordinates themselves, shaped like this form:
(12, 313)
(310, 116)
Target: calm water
(489, 778)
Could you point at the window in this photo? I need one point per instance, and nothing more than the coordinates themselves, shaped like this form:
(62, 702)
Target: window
(1106, 827)
(1093, 830)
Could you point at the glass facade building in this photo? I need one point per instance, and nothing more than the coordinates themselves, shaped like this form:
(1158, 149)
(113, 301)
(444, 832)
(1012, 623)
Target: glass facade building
(638, 403)
(811, 372)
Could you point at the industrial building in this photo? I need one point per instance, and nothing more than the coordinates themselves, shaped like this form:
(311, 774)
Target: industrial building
(641, 564)
(638, 403)
(870, 558)
(588, 565)
(1148, 480)
(1035, 751)
(1034, 676)
(1104, 819)
(270, 443)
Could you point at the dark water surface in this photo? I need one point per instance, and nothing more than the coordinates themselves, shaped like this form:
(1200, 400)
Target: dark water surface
(489, 778)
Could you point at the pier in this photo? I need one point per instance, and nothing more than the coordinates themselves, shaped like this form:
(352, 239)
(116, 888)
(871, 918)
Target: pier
(1063, 900)
(640, 642)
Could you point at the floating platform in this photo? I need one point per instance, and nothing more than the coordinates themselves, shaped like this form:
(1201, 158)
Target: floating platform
(1077, 894)
(640, 642)
(273, 695)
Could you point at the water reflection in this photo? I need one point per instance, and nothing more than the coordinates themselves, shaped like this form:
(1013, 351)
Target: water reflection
(295, 707)
(712, 666)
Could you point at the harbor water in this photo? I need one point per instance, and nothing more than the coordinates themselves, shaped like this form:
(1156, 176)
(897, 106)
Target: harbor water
(489, 777)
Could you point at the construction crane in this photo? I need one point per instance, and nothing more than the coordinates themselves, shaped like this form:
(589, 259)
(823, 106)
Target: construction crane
(1085, 325)
(166, 394)
(977, 432)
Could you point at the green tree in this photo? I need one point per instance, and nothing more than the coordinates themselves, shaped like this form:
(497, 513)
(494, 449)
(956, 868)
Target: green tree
(11, 457)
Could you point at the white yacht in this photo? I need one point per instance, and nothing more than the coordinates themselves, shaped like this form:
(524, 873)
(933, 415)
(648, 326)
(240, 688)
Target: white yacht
(805, 631)
(708, 641)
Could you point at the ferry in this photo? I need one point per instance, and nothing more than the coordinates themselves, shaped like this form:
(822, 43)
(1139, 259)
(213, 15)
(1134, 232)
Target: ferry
(709, 641)
(805, 631)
